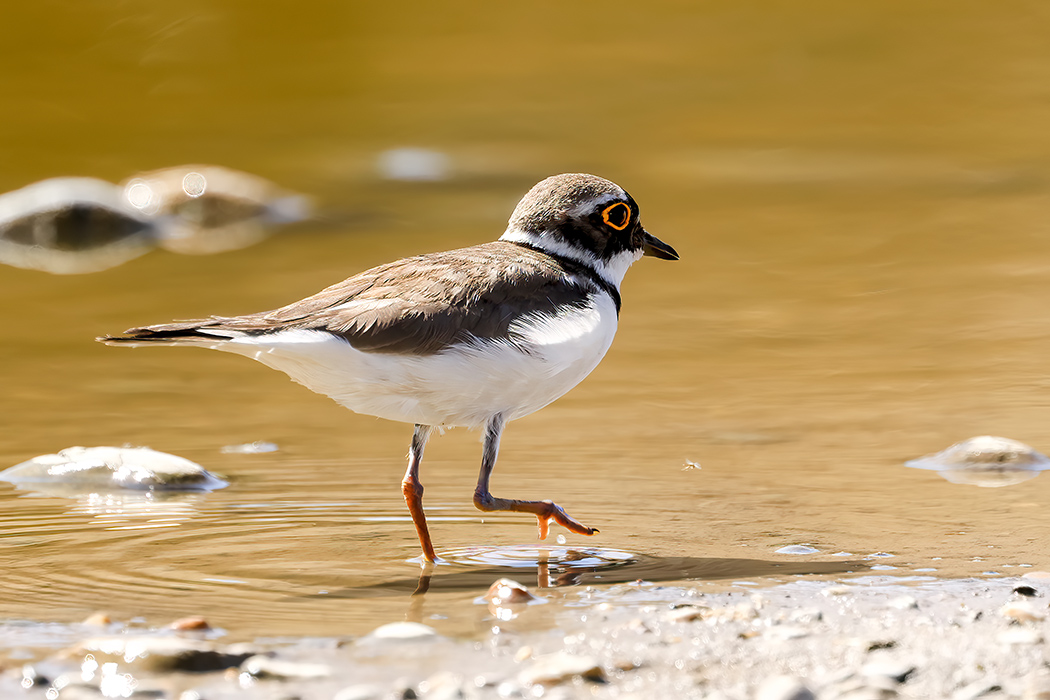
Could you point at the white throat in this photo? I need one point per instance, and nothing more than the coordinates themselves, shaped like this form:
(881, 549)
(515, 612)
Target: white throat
(611, 270)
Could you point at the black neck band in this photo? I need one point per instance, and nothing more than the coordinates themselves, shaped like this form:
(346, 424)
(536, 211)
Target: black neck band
(578, 268)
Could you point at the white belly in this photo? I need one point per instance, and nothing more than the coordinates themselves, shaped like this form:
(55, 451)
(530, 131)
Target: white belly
(464, 386)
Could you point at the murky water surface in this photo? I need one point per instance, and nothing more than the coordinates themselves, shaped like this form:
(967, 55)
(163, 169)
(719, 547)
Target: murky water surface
(860, 195)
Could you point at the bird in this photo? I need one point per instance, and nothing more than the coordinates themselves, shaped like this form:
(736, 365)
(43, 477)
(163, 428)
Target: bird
(474, 337)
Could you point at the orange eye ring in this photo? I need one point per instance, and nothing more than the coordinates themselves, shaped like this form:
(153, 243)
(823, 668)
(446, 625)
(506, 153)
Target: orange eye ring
(613, 211)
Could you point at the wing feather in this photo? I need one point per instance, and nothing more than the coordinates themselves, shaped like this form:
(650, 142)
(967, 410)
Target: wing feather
(418, 305)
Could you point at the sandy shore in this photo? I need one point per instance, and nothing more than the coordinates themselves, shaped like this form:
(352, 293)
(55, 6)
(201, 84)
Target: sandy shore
(857, 638)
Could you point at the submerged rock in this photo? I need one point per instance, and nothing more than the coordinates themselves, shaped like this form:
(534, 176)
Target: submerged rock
(114, 468)
(208, 209)
(71, 225)
(987, 461)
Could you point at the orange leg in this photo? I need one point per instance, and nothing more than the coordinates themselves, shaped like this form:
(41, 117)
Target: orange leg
(413, 491)
(545, 511)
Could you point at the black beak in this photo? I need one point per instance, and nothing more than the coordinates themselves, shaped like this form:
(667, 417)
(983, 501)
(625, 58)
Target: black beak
(658, 249)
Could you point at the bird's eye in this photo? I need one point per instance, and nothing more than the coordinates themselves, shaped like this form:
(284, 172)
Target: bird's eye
(617, 215)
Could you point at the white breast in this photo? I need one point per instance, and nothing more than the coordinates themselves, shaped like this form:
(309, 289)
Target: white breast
(461, 386)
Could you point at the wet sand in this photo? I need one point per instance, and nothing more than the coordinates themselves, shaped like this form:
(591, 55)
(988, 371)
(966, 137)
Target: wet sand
(860, 637)
(859, 193)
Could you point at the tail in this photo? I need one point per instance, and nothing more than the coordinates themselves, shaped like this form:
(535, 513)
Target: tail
(206, 332)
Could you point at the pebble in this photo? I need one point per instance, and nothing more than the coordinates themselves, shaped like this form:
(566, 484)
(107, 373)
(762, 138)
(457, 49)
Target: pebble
(190, 624)
(836, 590)
(561, 667)
(904, 602)
(1038, 575)
(897, 671)
(250, 448)
(688, 613)
(506, 591)
(71, 225)
(1022, 611)
(163, 653)
(985, 461)
(977, 689)
(403, 632)
(98, 619)
(783, 688)
(204, 209)
(797, 549)
(114, 468)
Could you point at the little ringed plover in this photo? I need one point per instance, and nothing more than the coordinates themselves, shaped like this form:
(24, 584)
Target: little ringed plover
(474, 337)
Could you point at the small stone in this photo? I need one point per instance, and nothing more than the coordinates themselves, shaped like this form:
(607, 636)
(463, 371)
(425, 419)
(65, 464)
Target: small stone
(897, 671)
(561, 667)
(985, 461)
(506, 591)
(190, 624)
(797, 549)
(262, 666)
(836, 590)
(877, 644)
(1026, 591)
(163, 653)
(688, 613)
(403, 632)
(977, 689)
(249, 448)
(904, 602)
(1022, 611)
(113, 468)
(98, 619)
(783, 688)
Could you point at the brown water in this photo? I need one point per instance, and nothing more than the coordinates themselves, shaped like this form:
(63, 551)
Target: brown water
(860, 194)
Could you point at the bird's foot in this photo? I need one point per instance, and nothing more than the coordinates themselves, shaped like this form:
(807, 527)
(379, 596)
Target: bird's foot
(552, 511)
